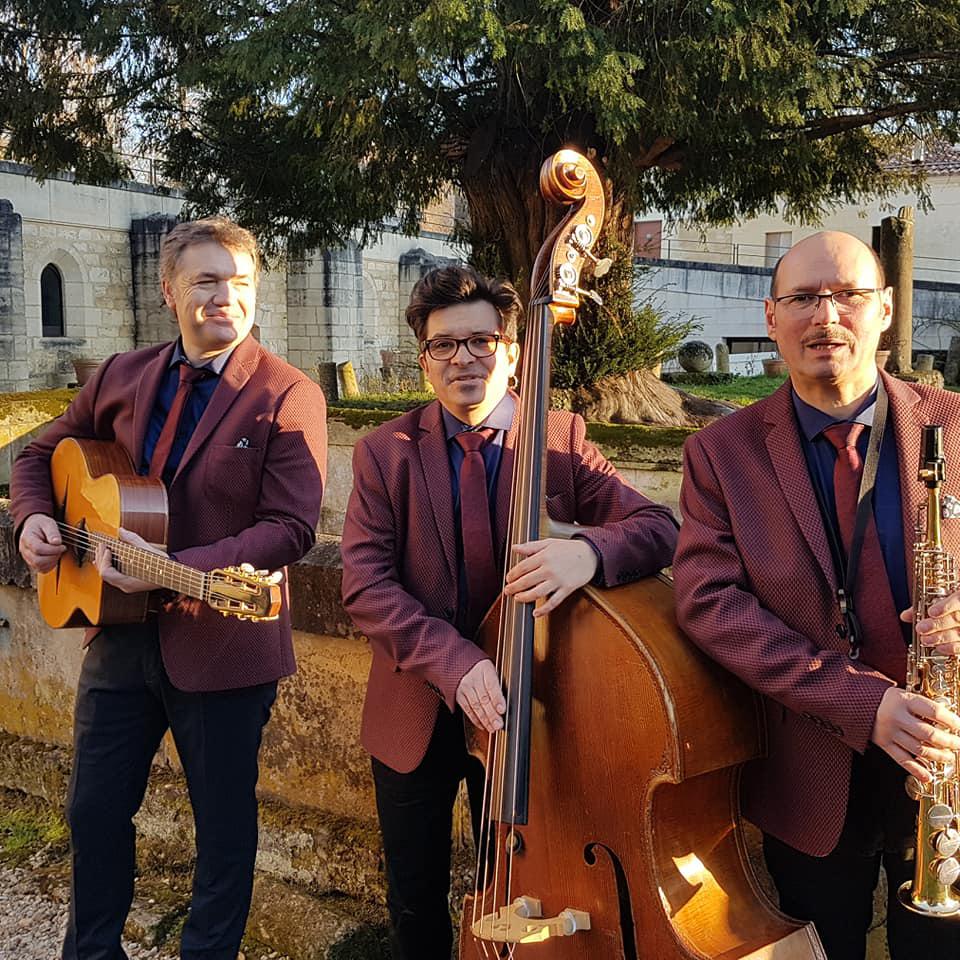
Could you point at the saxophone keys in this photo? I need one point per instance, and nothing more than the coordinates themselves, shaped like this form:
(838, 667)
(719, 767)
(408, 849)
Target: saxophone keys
(940, 816)
(946, 843)
(946, 871)
(915, 789)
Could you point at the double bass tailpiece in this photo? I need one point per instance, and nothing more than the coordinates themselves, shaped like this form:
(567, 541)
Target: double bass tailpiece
(523, 922)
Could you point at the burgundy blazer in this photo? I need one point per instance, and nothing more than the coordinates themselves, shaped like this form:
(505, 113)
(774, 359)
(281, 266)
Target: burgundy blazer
(755, 588)
(258, 502)
(400, 578)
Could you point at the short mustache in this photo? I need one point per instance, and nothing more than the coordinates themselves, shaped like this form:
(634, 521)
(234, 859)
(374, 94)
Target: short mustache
(838, 334)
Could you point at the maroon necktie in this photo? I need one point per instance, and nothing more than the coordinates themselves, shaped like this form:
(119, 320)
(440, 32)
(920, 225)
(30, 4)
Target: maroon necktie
(883, 645)
(483, 581)
(161, 452)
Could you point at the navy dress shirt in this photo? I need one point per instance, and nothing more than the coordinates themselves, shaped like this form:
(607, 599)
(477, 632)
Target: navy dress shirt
(192, 412)
(821, 456)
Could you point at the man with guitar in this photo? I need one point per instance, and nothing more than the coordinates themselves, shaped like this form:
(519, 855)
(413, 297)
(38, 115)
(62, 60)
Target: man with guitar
(237, 437)
(411, 522)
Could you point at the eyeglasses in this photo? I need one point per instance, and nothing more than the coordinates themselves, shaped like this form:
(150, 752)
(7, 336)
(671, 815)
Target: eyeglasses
(479, 345)
(846, 301)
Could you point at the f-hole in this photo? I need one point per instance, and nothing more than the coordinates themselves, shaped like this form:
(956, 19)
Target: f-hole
(627, 939)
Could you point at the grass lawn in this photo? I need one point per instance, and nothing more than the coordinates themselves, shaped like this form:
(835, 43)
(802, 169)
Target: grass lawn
(743, 391)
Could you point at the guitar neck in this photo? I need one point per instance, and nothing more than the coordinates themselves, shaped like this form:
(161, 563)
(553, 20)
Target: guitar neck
(143, 564)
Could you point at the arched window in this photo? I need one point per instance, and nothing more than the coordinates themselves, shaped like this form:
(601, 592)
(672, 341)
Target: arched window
(51, 301)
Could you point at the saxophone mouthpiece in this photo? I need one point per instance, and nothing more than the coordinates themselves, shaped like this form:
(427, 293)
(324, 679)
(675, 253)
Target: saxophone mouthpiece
(931, 455)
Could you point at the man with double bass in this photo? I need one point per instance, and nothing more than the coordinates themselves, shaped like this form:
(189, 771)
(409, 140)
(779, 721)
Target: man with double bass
(423, 547)
(770, 518)
(238, 438)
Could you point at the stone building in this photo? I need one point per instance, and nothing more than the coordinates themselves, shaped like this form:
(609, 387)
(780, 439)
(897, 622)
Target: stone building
(78, 279)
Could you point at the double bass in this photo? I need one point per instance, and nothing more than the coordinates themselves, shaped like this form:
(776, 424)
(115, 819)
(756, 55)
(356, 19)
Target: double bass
(610, 821)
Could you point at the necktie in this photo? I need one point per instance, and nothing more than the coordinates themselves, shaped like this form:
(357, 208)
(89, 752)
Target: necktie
(883, 645)
(161, 452)
(483, 581)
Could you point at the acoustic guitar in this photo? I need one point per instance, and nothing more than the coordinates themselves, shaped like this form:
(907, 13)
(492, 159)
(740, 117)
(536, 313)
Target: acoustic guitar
(97, 491)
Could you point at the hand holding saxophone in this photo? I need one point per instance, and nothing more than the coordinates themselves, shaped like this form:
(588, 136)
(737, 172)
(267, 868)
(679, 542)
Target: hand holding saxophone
(941, 627)
(915, 731)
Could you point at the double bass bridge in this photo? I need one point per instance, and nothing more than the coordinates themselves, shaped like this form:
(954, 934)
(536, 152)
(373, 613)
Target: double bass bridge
(523, 922)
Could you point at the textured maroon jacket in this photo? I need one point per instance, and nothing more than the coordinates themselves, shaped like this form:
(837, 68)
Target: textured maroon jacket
(256, 503)
(755, 588)
(400, 565)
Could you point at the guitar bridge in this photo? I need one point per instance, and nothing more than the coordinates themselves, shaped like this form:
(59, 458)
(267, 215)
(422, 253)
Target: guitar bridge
(523, 922)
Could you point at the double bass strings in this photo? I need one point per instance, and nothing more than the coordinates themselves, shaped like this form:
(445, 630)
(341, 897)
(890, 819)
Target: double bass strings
(538, 343)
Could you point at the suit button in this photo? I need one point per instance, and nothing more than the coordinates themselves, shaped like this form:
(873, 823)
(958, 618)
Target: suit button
(448, 613)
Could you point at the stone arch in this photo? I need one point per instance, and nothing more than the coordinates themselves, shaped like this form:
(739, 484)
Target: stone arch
(51, 302)
(51, 355)
(76, 292)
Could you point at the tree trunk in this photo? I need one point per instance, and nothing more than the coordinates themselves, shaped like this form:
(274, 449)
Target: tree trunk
(509, 221)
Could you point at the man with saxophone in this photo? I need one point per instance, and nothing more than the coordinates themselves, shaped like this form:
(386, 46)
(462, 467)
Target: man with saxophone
(792, 570)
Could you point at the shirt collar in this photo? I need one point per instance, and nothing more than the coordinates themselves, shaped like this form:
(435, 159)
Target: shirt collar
(499, 418)
(813, 421)
(215, 365)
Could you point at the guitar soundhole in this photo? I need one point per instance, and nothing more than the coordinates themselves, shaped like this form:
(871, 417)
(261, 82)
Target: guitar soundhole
(627, 939)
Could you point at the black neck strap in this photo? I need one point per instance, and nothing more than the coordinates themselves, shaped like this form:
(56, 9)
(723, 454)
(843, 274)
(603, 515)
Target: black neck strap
(846, 567)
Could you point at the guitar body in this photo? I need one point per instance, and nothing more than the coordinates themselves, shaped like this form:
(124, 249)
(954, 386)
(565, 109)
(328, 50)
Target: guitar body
(96, 488)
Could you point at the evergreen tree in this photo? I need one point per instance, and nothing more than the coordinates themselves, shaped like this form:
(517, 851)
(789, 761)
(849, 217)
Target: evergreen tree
(308, 119)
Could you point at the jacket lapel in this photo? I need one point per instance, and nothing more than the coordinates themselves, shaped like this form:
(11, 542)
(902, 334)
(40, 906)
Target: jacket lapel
(144, 399)
(793, 476)
(243, 361)
(435, 467)
(908, 421)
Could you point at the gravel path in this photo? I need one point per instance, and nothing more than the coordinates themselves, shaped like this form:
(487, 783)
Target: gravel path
(32, 923)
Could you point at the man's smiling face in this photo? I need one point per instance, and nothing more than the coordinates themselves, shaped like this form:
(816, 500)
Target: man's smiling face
(468, 386)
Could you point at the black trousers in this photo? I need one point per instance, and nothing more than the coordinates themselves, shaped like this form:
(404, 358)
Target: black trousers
(416, 820)
(125, 703)
(836, 891)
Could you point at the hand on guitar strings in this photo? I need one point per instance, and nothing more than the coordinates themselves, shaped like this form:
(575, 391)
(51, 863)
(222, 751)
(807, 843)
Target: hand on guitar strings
(111, 575)
(480, 696)
(550, 568)
(916, 731)
(41, 545)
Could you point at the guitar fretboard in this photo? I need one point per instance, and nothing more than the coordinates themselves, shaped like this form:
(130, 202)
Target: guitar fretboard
(136, 562)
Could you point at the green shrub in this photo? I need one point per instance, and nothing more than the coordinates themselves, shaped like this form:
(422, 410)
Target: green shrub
(707, 377)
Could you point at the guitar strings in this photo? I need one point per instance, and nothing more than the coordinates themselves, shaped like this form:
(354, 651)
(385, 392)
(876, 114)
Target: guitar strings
(156, 568)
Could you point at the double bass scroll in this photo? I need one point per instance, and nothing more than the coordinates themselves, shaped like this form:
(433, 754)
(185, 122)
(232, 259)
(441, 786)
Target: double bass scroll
(610, 821)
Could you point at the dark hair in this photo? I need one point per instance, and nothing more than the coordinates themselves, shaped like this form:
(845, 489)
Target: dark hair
(876, 259)
(448, 286)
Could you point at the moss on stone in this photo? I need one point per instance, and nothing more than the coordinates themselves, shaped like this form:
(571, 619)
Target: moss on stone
(359, 419)
(632, 441)
(28, 824)
(22, 412)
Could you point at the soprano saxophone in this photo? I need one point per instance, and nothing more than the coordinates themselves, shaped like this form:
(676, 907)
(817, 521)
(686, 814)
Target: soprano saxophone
(932, 891)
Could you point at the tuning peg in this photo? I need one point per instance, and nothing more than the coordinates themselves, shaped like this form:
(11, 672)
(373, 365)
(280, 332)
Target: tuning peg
(601, 267)
(590, 295)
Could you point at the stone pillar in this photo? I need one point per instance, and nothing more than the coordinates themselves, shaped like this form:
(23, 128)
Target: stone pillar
(343, 303)
(413, 265)
(13, 315)
(722, 354)
(896, 254)
(153, 322)
(951, 373)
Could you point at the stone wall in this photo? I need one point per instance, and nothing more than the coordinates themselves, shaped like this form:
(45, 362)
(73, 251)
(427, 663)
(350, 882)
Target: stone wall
(334, 305)
(13, 332)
